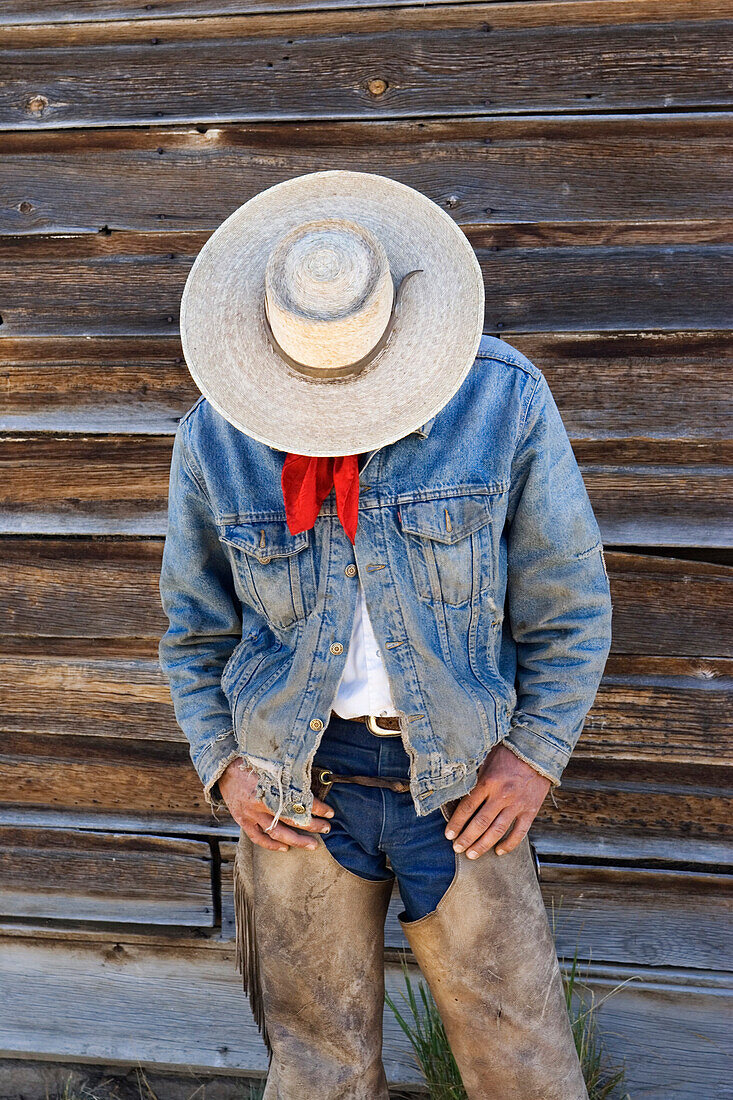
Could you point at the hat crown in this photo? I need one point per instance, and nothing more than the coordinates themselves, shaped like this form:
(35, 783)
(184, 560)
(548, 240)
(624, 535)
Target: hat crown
(328, 292)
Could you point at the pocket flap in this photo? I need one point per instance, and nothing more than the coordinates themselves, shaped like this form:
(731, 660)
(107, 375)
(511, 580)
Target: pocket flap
(447, 519)
(264, 539)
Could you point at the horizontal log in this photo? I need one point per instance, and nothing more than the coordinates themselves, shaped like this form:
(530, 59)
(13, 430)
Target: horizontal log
(136, 384)
(650, 387)
(82, 588)
(61, 588)
(525, 180)
(669, 1025)
(155, 779)
(644, 492)
(131, 283)
(669, 606)
(636, 916)
(82, 875)
(109, 697)
(673, 710)
(449, 60)
(17, 13)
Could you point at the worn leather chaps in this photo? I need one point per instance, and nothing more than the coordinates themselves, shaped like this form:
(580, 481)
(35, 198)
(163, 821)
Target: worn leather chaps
(489, 957)
(310, 950)
(310, 938)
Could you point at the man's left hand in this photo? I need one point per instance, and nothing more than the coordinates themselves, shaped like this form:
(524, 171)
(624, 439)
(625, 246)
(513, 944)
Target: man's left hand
(507, 791)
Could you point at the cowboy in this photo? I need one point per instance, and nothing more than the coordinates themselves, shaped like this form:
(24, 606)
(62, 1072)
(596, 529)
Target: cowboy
(389, 614)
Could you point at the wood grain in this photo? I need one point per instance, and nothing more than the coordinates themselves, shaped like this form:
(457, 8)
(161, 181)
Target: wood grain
(130, 284)
(643, 491)
(61, 588)
(602, 178)
(641, 389)
(437, 60)
(18, 13)
(655, 709)
(659, 1021)
(638, 916)
(155, 779)
(81, 875)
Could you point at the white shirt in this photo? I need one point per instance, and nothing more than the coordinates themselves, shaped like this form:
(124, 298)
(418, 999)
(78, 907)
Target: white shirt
(364, 686)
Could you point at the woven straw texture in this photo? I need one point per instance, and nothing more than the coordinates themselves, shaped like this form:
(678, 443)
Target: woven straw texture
(427, 355)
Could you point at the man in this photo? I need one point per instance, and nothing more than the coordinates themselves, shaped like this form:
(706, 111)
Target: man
(389, 615)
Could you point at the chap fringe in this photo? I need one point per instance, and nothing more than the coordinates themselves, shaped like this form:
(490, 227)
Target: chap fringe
(246, 955)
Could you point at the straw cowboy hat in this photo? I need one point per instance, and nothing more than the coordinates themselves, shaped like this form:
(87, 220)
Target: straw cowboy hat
(333, 313)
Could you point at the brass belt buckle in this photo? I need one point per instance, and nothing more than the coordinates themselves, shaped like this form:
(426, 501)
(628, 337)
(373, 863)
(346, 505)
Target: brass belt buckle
(371, 724)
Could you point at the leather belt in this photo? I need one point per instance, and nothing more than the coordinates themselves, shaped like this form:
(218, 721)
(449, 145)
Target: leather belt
(322, 779)
(387, 725)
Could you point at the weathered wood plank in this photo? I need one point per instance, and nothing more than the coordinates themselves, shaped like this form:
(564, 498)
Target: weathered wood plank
(72, 588)
(617, 386)
(538, 175)
(449, 60)
(666, 605)
(180, 1005)
(60, 588)
(661, 709)
(155, 779)
(669, 1030)
(126, 384)
(673, 710)
(644, 491)
(135, 778)
(670, 1025)
(637, 916)
(82, 875)
(16, 13)
(109, 697)
(131, 283)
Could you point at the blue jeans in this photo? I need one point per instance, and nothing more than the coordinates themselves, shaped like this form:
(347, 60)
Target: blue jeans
(372, 825)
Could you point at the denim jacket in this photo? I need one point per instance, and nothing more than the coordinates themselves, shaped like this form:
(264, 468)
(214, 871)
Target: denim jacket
(483, 572)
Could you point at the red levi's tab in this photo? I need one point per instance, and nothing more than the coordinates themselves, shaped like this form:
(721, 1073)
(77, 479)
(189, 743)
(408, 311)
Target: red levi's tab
(307, 481)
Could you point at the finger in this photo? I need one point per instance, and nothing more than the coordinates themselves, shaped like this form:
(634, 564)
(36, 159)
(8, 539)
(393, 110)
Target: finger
(315, 825)
(495, 832)
(465, 809)
(517, 835)
(264, 818)
(289, 836)
(256, 835)
(482, 820)
(321, 809)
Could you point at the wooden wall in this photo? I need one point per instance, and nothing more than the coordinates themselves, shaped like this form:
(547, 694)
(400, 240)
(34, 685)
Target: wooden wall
(585, 149)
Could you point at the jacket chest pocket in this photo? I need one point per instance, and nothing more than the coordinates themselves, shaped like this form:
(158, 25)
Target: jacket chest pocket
(274, 568)
(449, 548)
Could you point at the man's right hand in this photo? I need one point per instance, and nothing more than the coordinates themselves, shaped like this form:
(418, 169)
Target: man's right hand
(238, 785)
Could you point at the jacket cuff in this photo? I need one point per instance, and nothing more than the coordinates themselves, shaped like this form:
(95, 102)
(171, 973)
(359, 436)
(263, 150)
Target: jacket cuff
(546, 757)
(211, 764)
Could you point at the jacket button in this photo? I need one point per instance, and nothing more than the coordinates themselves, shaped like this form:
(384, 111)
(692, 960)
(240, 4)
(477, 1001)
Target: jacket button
(350, 570)
(298, 808)
(336, 648)
(316, 724)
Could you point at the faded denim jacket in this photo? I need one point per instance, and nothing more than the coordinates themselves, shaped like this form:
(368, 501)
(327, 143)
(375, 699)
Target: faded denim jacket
(484, 576)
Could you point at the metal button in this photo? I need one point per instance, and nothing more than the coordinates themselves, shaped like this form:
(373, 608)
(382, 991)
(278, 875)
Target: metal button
(298, 808)
(336, 648)
(350, 570)
(316, 724)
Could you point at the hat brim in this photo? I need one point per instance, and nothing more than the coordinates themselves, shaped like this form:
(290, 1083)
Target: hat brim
(427, 356)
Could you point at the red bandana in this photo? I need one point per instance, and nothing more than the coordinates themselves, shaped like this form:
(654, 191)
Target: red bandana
(307, 481)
